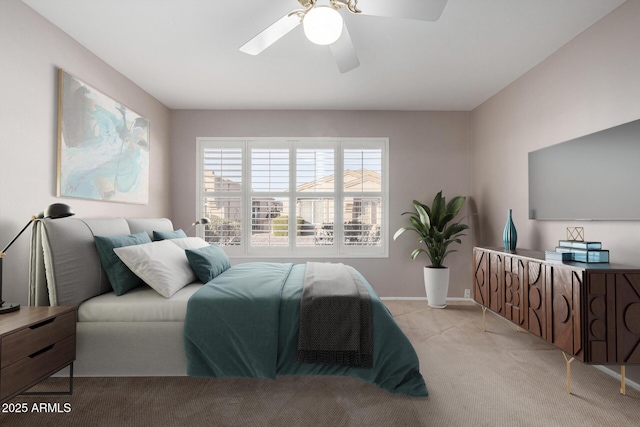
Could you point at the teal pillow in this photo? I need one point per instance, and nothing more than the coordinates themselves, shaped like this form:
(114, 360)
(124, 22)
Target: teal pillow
(121, 278)
(163, 235)
(208, 262)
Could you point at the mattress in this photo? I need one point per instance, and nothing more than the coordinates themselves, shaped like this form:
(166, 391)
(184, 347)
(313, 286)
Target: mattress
(142, 304)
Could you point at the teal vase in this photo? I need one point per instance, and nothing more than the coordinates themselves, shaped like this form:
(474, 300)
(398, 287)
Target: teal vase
(509, 236)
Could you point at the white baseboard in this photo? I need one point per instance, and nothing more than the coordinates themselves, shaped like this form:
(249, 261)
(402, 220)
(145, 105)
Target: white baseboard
(421, 299)
(607, 370)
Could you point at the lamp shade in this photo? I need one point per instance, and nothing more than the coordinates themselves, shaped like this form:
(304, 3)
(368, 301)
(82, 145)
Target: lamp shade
(58, 210)
(323, 25)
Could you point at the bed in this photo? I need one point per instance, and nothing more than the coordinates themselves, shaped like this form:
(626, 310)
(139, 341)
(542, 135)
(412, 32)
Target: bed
(143, 333)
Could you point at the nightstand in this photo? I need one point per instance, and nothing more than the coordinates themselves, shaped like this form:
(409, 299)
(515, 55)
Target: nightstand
(35, 343)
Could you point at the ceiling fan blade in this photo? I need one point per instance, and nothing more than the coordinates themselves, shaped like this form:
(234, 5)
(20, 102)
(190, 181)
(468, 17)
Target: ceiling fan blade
(344, 52)
(423, 10)
(271, 34)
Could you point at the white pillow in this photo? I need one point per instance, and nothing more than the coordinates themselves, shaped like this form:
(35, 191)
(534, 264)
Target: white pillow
(189, 242)
(162, 265)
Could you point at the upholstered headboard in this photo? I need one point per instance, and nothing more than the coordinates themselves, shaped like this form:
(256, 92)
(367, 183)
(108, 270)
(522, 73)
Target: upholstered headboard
(64, 263)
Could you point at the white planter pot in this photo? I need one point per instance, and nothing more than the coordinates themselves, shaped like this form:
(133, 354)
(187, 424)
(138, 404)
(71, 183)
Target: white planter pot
(436, 283)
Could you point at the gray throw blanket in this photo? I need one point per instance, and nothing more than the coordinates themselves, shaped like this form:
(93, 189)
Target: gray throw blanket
(335, 317)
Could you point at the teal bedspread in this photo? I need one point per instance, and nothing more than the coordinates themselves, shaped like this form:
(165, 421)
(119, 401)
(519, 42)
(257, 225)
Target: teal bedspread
(244, 323)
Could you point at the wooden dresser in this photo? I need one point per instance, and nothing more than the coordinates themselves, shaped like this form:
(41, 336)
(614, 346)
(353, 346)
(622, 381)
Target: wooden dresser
(589, 311)
(35, 342)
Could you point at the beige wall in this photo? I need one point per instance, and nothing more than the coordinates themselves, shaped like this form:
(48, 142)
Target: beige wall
(590, 84)
(429, 151)
(31, 51)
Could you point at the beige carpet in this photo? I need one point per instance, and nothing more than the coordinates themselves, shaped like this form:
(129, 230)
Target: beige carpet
(498, 378)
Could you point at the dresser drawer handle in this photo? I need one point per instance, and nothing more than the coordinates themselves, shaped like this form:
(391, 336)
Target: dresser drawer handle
(45, 322)
(39, 352)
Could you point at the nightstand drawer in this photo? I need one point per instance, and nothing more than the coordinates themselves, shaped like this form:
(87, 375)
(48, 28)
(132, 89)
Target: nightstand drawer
(33, 368)
(26, 341)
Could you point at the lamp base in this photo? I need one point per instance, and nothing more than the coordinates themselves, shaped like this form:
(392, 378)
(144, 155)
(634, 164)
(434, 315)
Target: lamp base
(8, 307)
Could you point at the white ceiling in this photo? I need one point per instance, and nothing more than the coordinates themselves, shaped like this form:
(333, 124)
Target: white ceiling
(185, 52)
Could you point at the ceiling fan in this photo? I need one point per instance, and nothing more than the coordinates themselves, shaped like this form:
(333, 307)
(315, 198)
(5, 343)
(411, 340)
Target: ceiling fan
(324, 25)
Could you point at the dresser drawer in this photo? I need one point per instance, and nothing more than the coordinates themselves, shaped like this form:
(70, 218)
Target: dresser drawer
(29, 340)
(33, 368)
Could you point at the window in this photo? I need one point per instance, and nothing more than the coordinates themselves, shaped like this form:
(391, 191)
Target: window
(307, 197)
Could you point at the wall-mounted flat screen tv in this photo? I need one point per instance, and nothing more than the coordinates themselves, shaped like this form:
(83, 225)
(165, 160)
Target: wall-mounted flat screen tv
(594, 177)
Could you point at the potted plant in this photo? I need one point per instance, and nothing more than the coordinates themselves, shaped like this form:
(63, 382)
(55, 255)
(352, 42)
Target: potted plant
(435, 230)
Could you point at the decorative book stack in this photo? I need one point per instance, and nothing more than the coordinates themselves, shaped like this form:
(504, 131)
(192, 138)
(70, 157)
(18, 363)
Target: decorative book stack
(578, 250)
(557, 256)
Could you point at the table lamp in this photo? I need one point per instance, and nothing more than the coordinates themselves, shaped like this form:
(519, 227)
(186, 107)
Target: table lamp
(54, 211)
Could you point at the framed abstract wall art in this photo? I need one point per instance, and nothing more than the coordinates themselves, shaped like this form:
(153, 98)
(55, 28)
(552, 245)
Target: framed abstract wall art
(103, 146)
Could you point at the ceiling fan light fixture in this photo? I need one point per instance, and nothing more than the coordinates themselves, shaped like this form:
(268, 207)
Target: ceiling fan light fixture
(323, 25)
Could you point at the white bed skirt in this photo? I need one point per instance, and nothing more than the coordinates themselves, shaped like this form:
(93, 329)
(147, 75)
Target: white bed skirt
(129, 349)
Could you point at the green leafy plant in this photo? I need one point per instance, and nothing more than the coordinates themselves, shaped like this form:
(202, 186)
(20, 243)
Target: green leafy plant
(433, 228)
